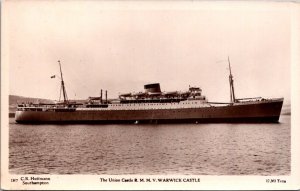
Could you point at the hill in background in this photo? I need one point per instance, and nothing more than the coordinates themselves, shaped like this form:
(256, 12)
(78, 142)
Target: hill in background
(15, 100)
(286, 110)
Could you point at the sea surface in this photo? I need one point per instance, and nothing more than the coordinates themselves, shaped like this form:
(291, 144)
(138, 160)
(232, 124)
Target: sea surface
(198, 149)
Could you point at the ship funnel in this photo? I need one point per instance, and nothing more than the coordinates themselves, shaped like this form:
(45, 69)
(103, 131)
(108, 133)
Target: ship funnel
(152, 88)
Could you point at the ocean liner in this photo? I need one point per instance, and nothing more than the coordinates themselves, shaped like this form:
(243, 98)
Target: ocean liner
(153, 106)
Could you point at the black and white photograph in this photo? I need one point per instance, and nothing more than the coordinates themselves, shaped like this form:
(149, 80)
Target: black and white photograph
(149, 94)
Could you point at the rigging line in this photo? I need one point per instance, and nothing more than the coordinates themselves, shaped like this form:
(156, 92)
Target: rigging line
(77, 87)
(56, 75)
(232, 95)
(219, 61)
(59, 94)
(74, 77)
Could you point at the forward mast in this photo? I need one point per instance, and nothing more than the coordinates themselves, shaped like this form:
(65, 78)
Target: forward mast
(62, 88)
(232, 95)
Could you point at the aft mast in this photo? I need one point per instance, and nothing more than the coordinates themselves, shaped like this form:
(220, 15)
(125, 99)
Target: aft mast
(232, 95)
(63, 89)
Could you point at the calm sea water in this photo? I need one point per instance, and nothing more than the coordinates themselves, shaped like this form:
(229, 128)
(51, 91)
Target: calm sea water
(199, 149)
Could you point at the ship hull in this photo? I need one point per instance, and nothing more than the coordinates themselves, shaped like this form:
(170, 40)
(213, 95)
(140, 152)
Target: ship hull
(260, 112)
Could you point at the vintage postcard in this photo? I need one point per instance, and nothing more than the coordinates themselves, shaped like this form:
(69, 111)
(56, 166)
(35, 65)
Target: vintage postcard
(150, 95)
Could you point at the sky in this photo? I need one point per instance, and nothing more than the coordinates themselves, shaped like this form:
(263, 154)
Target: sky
(120, 46)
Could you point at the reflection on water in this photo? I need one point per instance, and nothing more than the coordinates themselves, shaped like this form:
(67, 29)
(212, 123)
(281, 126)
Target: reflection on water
(199, 149)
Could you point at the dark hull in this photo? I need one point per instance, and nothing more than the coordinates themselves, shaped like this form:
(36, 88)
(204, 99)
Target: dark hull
(259, 112)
